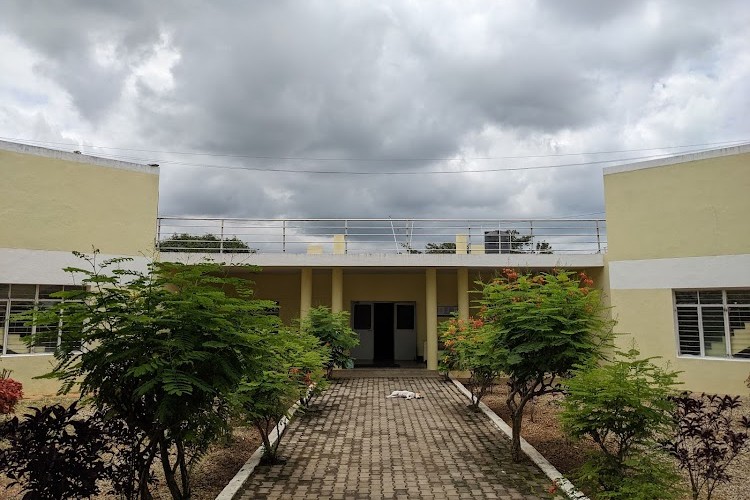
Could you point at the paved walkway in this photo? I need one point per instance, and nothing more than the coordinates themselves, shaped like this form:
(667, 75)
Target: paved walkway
(356, 444)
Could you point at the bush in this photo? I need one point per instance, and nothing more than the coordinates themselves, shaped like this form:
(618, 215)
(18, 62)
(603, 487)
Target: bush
(624, 408)
(294, 364)
(54, 454)
(11, 392)
(708, 438)
(468, 347)
(334, 332)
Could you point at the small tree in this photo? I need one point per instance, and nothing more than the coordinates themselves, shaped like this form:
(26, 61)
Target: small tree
(162, 351)
(624, 408)
(334, 332)
(708, 439)
(294, 365)
(468, 347)
(540, 328)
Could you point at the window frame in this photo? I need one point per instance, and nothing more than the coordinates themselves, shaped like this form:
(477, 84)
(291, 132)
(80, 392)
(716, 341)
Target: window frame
(9, 300)
(698, 307)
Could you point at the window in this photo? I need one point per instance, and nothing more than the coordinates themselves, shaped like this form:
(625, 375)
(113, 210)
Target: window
(713, 323)
(15, 299)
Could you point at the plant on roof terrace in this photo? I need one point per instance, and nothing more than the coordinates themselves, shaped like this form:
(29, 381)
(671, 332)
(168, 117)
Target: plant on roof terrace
(539, 328)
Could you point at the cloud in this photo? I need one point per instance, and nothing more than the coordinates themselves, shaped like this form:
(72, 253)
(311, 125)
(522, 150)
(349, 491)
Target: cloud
(387, 80)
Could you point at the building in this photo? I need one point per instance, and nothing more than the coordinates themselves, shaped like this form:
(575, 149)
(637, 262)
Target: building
(679, 263)
(673, 257)
(56, 202)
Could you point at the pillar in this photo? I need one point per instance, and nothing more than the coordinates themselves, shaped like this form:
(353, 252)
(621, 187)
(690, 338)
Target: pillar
(463, 293)
(431, 317)
(337, 289)
(305, 298)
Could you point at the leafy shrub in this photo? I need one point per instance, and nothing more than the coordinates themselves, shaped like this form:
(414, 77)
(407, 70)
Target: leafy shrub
(623, 407)
(334, 333)
(165, 349)
(540, 327)
(11, 392)
(53, 454)
(708, 438)
(294, 363)
(468, 347)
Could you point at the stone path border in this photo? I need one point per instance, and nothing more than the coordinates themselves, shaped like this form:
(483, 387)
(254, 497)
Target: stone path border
(536, 457)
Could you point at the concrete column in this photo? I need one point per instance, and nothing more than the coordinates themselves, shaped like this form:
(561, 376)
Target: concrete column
(431, 317)
(463, 293)
(305, 298)
(337, 289)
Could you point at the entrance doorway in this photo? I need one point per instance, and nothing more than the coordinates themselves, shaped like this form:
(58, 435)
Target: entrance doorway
(387, 332)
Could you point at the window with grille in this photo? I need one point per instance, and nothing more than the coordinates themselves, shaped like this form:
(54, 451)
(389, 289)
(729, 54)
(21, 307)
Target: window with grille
(713, 323)
(16, 299)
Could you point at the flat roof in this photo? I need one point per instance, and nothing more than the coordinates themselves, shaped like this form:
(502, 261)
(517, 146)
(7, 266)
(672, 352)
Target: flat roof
(15, 147)
(681, 158)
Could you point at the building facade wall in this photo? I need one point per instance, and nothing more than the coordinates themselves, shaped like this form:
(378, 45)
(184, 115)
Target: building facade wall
(57, 202)
(678, 227)
(63, 205)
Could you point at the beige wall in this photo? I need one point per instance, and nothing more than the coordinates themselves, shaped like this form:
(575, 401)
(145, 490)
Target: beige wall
(683, 210)
(647, 317)
(25, 368)
(58, 204)
(679, 226)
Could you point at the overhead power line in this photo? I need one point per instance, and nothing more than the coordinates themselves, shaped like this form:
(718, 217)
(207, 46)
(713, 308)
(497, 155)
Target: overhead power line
(395, 172)
(363, 159)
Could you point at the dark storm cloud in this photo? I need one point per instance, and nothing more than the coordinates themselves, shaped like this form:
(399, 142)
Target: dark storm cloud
(389, 80)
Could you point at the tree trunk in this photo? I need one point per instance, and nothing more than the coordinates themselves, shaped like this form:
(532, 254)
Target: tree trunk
(517, 417)
(169, 475)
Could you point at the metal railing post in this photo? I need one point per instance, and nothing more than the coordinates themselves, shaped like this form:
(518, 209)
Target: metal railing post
(221, 240)
(346, 236)
(531, 236)
(157, 243)
(283, 236)
(598, 239)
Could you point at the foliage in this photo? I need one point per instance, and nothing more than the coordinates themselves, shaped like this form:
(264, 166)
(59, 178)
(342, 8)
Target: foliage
(540, 327)
(623, 406)
(53, 454)
(207, 243)
(708, 438)
(162, 351)
(446, 247)
(11, 391)
(334, 332)
(294, 364)
(468, 347)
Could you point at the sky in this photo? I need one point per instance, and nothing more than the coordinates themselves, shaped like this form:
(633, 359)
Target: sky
(343, 108)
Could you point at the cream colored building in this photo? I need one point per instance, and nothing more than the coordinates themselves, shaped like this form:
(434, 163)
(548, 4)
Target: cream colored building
(55, 202)
(679, 263)
(673, 258)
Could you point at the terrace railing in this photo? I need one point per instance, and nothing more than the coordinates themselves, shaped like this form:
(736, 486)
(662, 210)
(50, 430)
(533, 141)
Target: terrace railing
(378, 236)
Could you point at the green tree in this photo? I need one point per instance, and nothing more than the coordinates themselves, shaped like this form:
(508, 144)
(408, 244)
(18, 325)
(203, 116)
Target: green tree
(293, 367)
(541, 327)
(468, 347)
(334, 333)
(624, 407)
(445, 247)
(161, 350)
(207, 243)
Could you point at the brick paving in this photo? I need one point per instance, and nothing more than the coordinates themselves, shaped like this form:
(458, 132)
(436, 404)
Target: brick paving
(354, 443)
